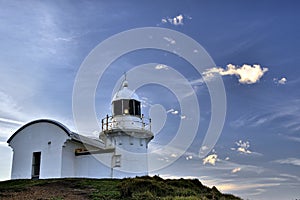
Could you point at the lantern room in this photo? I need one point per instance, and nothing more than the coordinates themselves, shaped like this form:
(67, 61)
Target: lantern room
(126, 102)
(126, 113)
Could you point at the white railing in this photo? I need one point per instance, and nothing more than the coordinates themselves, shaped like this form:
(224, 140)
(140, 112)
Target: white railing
(110, 123)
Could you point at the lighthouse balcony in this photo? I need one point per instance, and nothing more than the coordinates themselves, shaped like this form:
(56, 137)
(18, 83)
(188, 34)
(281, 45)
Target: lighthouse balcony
(126, 123)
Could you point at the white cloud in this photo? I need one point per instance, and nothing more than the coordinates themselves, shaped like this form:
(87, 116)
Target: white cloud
(161, 66)
(282, 81)
(174, 155)
(246, 74)
(170, 40)
(291, 161)
(189, 157)
(204, 148)
(211, 159)
(243, 150)
(242, 147)
(175, 112)
(163, 20)
(177, 20)
(235, 170)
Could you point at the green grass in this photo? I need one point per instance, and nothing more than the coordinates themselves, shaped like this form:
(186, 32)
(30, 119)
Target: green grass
(148, 188)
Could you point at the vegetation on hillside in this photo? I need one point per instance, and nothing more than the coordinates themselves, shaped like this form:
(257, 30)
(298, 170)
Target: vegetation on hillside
(128, 188)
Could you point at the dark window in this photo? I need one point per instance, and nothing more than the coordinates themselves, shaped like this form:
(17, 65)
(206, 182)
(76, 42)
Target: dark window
(117, 107)
(36, 164)
(131, 107)
(137, 108)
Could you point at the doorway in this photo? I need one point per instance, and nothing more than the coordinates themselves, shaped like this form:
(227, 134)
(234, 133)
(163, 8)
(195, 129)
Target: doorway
(36, 164)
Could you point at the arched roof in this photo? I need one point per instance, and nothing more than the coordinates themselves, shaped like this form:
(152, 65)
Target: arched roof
(60, 125)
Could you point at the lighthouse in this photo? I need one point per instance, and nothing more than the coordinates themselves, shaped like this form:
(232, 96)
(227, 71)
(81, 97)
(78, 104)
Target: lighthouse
(46, 148)
(129, 132)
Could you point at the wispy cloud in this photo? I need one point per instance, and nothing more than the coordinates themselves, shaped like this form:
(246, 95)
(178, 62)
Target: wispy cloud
(291, 161)
(246, 74)
(244, 186)
(287, 111)
(293, 138)
(11, 121)
(10, 110)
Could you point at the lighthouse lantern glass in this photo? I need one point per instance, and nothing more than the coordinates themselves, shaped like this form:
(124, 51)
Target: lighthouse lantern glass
(126, 107)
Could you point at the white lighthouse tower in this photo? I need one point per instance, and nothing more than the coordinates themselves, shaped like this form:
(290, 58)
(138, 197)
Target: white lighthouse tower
(129, 132)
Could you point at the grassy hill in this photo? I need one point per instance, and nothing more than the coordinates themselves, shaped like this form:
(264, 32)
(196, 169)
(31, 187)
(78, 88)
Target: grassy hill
(128, 188)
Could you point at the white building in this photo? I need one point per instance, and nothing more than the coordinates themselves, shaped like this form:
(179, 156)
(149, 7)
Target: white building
(48, 149)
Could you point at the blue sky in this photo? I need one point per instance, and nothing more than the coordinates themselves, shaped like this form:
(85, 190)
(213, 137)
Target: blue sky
(43, 44)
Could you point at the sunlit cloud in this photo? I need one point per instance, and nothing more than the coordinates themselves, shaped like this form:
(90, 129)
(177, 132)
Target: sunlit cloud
(174, 155)
(235, 187)
(171, 176)
(235, 170)
(246, 74)
(210, 159)
(242, 147)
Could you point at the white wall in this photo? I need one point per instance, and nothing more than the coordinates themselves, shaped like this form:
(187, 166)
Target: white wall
(35, 138)
(68, 158)
(92, 167)
(84, 165)
(133, 153)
